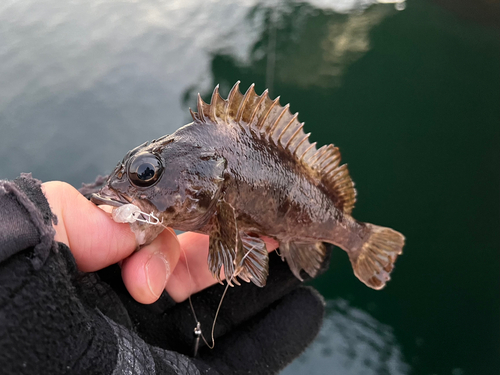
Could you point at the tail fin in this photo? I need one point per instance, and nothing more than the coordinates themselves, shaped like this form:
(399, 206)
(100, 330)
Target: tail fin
(374, 261)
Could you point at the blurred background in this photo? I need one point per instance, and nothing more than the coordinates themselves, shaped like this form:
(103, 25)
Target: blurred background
(409, 91)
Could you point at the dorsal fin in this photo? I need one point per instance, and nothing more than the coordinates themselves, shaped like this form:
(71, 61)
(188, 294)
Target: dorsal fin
(277, 125)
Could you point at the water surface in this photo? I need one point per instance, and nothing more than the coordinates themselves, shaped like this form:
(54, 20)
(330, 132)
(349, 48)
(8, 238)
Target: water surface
(410, 97)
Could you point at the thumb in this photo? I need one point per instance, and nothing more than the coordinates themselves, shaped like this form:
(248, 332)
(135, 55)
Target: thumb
(146, 272)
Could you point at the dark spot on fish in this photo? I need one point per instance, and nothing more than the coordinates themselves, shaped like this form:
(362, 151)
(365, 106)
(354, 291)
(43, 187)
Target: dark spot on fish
(170, 210)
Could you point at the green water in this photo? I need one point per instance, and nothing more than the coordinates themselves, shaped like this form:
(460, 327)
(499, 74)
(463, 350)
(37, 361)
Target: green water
(411, 97)
(417, 117)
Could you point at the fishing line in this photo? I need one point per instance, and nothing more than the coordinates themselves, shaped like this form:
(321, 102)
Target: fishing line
(222, 299)
(197, 330)
(129, 213)
(271, 47)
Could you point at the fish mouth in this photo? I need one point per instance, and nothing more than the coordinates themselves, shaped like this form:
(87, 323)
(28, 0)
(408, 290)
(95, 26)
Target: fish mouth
(109, 197)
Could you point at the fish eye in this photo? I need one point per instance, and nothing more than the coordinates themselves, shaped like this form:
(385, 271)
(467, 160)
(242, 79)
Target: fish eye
(145, 169)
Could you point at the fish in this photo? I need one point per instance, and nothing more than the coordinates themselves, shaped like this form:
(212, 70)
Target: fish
(242, 169)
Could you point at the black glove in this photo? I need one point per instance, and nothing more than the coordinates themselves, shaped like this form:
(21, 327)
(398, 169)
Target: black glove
(55, 319)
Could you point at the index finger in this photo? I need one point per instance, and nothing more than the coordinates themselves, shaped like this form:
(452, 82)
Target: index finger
(95, 240)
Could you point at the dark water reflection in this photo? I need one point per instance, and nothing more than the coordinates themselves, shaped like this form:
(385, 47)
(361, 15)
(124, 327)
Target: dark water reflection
(411, 97)
(351, 342)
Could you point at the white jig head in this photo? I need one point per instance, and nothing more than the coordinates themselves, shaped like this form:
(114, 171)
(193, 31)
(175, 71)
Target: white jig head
(130, 213)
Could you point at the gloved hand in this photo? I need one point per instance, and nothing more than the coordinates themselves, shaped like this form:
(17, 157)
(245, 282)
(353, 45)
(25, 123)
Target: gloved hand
(55, 319)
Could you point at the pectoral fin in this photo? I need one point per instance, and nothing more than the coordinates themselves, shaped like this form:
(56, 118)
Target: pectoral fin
(306, 256)
(224, 242)
(252, 264)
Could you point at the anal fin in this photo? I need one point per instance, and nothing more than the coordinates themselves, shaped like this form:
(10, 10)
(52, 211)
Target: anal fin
(252, 264)
(307, 256)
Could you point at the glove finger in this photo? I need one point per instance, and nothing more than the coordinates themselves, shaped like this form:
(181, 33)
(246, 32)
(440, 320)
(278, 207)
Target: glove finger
(270, 340)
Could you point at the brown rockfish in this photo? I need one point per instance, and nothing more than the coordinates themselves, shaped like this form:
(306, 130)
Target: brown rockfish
(244, 168)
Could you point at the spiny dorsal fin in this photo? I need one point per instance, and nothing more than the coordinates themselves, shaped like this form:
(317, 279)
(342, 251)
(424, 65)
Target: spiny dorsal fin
(278, 125)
